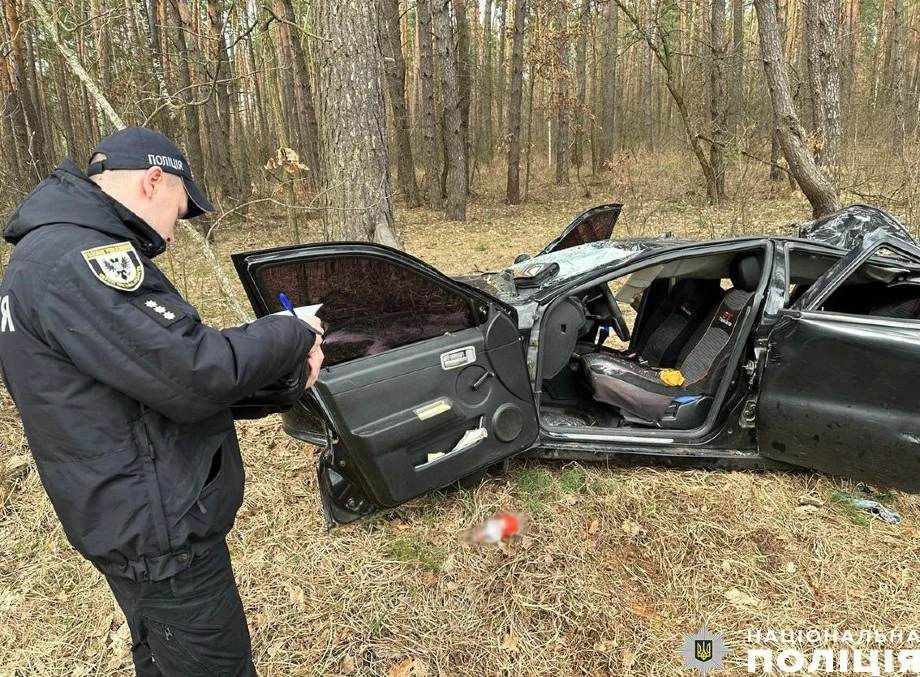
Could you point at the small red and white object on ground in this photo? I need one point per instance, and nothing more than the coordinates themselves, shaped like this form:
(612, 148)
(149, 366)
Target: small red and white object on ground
(497, 529)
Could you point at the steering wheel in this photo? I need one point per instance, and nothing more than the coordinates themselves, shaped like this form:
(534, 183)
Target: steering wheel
(620, 328)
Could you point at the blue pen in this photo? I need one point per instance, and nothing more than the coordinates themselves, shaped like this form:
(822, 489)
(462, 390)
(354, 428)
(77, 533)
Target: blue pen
(286, 304)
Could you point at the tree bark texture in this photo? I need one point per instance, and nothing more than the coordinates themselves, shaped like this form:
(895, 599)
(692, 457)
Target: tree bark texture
(454, 140)
(608, 99)
(513, 188)
(581, 85)
(464, 60)
(561, 94)
(357, 204)
(485, 129)
(427, 104)
(395, 67)
(822, 29)
(718, 102)
(817, 188)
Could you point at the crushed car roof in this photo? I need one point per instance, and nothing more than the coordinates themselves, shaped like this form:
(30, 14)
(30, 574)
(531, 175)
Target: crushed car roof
(844, 229)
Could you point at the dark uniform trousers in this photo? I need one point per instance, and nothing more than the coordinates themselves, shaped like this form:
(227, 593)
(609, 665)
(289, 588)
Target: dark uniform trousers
(190, 625)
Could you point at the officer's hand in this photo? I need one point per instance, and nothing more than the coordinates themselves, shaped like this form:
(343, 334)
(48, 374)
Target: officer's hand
(316, 325)
(314, 362)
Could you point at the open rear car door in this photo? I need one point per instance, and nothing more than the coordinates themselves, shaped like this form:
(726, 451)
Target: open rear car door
(424, 380)
(839, 390)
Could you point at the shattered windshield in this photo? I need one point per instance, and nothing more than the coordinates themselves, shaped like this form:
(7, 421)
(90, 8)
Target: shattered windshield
(531, 275)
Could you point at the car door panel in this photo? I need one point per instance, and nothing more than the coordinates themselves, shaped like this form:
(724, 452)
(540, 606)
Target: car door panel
(838, 397)
(391, 414)
(837, 392)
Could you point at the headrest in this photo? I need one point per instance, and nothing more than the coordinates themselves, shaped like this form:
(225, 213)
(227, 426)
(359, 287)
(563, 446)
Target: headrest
(746, 270)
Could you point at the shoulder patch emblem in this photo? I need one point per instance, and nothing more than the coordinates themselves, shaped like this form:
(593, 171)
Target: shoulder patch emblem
(161, 309)
(116, 265)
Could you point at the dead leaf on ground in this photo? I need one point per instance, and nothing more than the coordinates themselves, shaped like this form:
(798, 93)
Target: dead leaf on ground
(595, 526)
(741, 598)
(632, 528)
(347, 665)
(642, 608)
(509, 643)
(409, 667)
(297, 595)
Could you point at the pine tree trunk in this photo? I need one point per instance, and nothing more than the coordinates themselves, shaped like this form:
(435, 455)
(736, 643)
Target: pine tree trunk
(648, 113)
(608, 97)
(463, 60)
(898, 74)
(513, 190)
(849, 57)
(192, 128)
(29, 137)
(718, 102)
(305, 119)
(291, 133)
(395, 67)
(821, 27)
(561, 96)
(218, 110)
(502, 6)
(454, 141)
(817, 188)
(354, 151)
(485, 131)
(581, 56)
(67, 127)
(427, 104)
(736, 80)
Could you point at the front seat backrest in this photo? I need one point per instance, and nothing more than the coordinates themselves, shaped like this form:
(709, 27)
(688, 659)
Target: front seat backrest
(686, 306)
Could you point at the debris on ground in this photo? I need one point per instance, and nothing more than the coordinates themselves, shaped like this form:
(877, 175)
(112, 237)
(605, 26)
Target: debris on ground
(872, 507)
(497, 529)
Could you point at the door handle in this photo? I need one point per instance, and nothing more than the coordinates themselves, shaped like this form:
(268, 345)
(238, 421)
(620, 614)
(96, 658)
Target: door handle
(477, 384)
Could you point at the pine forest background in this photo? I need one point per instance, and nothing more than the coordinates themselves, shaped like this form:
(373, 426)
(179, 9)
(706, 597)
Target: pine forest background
(312, 105)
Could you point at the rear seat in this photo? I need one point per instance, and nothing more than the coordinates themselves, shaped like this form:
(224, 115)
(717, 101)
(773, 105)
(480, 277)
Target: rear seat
(902, 301)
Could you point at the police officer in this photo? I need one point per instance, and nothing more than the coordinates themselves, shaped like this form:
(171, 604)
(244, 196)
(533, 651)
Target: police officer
(124, 396)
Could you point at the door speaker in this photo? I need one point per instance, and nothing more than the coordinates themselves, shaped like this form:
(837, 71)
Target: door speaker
(507, 422)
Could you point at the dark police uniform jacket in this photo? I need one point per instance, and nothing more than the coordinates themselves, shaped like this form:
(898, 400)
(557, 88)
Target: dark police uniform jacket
(123, 392)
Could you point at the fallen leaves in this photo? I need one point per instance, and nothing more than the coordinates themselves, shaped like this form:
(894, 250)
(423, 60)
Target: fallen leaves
(632, 528)
(740, 598)
(409, 667)
(509, 643)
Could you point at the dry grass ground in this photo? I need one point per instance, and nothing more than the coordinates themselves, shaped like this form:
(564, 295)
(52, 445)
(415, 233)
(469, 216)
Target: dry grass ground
(616, 565)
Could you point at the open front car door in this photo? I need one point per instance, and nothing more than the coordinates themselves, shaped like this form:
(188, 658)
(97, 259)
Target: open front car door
(839, 391)
(424, 380)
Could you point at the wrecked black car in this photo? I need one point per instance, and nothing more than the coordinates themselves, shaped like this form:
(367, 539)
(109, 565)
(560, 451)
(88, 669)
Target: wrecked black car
(743, 353)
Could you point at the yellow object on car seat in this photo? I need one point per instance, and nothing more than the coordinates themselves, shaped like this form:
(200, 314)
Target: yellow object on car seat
(671, 377)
